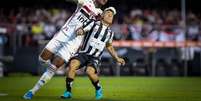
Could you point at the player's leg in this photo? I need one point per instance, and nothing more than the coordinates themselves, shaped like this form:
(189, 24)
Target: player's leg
(46, 77)
(93, 76)
(57, 61)
(49, 73)
(44, 57)
(91, 72)
(52, 48)
(73, 66)
(47, 54)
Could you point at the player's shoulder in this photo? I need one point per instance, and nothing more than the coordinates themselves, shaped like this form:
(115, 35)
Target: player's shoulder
(109, 30)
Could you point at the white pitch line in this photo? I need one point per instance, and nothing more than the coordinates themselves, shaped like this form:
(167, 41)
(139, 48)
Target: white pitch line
(3, 94)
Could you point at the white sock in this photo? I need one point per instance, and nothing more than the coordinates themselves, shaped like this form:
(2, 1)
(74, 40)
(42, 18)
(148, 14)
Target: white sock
(47, 75)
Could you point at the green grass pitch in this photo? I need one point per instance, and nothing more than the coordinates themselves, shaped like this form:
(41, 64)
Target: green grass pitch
(114, 88)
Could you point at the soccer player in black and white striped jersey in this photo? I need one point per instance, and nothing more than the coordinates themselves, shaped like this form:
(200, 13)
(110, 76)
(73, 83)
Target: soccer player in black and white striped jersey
(61, 48)
(97, 36)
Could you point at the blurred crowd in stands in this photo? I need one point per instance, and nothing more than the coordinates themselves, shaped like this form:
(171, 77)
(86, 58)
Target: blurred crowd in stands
(27, 25)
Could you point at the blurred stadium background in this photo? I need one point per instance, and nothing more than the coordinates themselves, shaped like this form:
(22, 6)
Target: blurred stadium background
(156, 37)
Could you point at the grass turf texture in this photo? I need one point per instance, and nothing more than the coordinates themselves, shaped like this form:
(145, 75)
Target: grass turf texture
(115, 89)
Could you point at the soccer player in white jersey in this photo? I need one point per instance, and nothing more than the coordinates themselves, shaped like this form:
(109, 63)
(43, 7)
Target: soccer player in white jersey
(98, 36)
(65, 43)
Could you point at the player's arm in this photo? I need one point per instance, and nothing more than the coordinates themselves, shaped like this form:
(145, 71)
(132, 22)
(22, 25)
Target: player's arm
(85, 28)
(113, 53)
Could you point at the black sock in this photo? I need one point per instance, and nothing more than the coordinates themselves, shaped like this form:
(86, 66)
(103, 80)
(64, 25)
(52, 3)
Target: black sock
(96, 85)
(69, 82)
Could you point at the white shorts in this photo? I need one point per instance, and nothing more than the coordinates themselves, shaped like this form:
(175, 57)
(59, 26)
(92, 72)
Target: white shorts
(63, 49)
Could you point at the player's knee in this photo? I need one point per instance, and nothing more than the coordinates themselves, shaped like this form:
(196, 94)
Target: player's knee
(58, 61)
(46, 54)
(41, 59)
(72, 69)
(90, 71)
(74, 64)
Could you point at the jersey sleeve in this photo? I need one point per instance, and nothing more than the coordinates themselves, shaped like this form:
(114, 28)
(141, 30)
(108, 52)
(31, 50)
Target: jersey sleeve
(111, 37)
(88, 25)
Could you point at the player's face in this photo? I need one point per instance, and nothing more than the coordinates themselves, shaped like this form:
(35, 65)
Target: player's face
(102, 2)
(108, 17)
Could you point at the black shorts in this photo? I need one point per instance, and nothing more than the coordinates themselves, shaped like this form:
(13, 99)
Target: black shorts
(87, 60)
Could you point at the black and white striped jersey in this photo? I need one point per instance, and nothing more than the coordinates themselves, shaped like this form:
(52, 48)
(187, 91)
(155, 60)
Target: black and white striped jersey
(96, 37)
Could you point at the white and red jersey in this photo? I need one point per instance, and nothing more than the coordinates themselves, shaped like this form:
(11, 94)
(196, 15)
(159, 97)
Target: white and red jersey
(65, 43)
(85, 11)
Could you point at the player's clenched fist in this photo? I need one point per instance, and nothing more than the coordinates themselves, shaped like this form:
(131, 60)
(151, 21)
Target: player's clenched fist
(120, 61)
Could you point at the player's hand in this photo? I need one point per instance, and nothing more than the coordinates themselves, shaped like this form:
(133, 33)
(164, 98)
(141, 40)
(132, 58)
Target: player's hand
(120, 61)
(81, 2)
(80, 32)
(99, 11)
